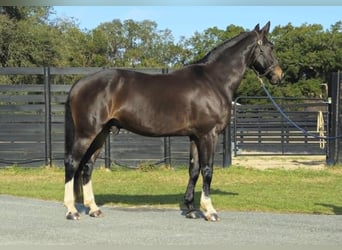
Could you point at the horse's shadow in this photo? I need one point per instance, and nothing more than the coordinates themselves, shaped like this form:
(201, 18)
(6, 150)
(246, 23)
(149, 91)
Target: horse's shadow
(335, 209)
(149, 199)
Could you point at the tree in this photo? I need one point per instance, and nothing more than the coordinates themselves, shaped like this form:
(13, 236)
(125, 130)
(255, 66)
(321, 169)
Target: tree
(138, 44)
(334, 42)
(7, 30)
(198, 45)
(32, 45)
(308, 54)
(307, 51)
(26, 38)
(29, 38)
(19, 13)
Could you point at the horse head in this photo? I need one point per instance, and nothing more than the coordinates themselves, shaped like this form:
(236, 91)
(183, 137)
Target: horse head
(265, 63)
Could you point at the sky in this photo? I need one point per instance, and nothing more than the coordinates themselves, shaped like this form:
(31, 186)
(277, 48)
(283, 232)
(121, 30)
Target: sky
(186, 20)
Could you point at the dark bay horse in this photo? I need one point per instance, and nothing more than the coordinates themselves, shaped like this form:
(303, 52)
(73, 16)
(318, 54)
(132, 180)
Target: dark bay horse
(194, 101)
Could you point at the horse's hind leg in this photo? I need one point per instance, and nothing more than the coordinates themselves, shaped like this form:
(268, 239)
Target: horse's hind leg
(69, 196)
(89, 159)
(78, 186)
(73, 172)
(88, 194)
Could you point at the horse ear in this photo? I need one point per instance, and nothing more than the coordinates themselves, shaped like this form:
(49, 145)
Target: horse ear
(257, 28)
(266, 28)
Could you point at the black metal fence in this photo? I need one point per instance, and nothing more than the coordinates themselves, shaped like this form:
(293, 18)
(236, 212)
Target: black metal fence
(259, 129)
(32, 126)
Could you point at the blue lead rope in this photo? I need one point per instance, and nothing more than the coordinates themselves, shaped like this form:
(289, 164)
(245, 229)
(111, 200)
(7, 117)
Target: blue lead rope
(305, 132)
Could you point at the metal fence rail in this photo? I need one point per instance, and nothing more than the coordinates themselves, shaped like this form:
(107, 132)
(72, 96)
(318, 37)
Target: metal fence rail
(261, 129)
(32, 125)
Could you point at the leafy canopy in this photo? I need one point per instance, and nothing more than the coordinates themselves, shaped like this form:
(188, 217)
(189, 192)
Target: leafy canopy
(30, 37)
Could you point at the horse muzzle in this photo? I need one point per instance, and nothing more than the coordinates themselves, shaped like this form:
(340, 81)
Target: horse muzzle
(276, 75)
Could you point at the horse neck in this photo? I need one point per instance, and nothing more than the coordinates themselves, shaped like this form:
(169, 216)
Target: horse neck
(232, 63)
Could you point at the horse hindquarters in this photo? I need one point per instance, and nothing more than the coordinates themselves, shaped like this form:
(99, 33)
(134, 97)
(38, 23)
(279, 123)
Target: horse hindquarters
(80, 156)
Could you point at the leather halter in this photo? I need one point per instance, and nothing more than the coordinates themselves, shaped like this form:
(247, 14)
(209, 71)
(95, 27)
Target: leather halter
(270, 68)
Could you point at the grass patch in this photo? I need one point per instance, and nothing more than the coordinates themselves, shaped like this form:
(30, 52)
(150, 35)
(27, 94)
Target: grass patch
(233, 189)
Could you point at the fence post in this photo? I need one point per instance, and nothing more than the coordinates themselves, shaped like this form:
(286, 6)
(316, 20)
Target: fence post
(167, 139)
(167, 150)
(47, 98)
(107, 152)
(334, 151)
(227, 146)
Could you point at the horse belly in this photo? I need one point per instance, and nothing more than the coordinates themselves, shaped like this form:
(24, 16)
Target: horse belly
(153, 123)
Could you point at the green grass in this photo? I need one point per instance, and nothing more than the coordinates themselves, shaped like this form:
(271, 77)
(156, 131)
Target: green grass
(233, 189)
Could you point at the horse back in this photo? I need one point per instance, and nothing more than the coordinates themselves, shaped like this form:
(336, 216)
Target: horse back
(155, 105)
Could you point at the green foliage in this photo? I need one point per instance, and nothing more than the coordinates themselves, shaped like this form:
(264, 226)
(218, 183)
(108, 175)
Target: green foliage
(307, 53)
(200, 43)
(7, 34)
(136, 44)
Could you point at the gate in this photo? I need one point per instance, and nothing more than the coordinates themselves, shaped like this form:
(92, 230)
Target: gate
(259, 129)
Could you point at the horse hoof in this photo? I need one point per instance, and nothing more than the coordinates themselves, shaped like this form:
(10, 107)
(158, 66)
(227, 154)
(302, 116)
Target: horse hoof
(73, 216)
(193, 215)
(212, 217)
(96, 214)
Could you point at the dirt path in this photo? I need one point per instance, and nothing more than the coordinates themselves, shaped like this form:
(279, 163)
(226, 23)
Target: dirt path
(286, 162)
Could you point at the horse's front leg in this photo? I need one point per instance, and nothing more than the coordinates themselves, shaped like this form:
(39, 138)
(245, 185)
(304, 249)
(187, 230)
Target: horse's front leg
(194, 172)
(206, 148)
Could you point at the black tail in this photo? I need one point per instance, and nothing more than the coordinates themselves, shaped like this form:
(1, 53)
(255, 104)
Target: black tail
(70, 170)
(69, 130)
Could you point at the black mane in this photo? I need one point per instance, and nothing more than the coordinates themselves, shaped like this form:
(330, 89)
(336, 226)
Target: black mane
(212, 55)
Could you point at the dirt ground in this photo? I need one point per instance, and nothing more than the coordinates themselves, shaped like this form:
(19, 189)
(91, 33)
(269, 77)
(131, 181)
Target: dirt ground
(286, 162)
